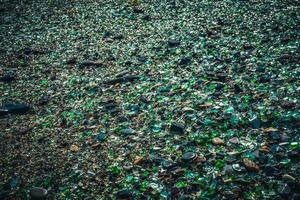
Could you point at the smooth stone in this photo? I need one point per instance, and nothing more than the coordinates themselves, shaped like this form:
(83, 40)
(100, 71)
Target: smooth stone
(146, 18)
(173, 43)
(14, 109)
(124, 194)
(177, 128)
(44, 100)
(237, 89)
(71, 61)
(284, 190)
(188, 156)
(271, 171)
(9, 77)
(168, 164)
(219, 87)
(296, 196)
(217, 141)
(234, 140)
(288, 178)
(107, 34)
(284, 138)
(188, 110)
(127, 131)
(88, 63)
(118, 37)
(101, 137)
(38, 193)
(184, 61)
(255, 123)
(228, 169)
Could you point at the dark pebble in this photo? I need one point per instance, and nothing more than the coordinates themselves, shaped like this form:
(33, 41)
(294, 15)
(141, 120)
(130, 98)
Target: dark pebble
(72, 61)
(127, 131)
(271, 171)
(124, 194)
(89, 63)
(296, 196)
(255, 123)
(219, 87)
(184, 61)
(137, 10)
(237, 89)
(122, 119)
(293, 154)
(274, 135)
(146, 18)
(189, 156)
(284, 138)
(168, 164)
(288, 105)
(124, 79)
(173, 43)
(118, 37)
(43, 100)
(285, 190)
(38, 193)
(260, 69)
(177, 128)
(101, 137)
(14, 109)
(9, 77)
(107, 34)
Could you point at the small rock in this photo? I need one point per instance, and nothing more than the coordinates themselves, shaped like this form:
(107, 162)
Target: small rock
(219, 86)
(74, 148)
(168, 164)
(177, 128)
(260, 69)
(288, 105)
(137, 160)
(89, 63)
(288, 178)
(107, 34)
(124, 194)
(14, 109)
(127, 131)
(188, 156)
(38, 193)
(111, 107)
(43, 100)
(217, 141)
(255, 123)
(91, 174)
(296, 196)
(173, 43)
(124, 79)
(118, 37)
(137, 10)
(9, 77)
(284, 138)
(187, 110)
(250, 165)
(274, 135)
(234, 140)
(184, 61)
(146, 17)
(237, 89)
(71, 61)
(228, 169)
(101, 137)
(237, 167)
(284, 190)
(270, 170)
